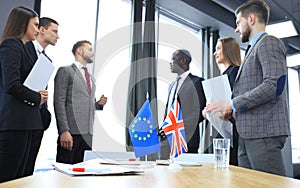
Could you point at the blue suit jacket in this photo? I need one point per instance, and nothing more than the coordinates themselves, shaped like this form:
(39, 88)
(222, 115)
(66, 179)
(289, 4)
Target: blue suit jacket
(259, 93)
(19, 105)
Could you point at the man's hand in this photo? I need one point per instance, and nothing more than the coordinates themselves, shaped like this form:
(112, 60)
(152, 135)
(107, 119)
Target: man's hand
(44, 96)
(102, 101)
(204, 113)
(219, 106)
(66, 140)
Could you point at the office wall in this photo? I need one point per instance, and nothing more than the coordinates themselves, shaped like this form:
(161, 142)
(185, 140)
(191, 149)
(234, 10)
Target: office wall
(7, 5)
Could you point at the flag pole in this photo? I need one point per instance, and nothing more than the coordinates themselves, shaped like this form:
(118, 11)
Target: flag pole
(146, 156)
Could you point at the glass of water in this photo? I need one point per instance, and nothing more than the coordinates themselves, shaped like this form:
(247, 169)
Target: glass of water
(221, 152)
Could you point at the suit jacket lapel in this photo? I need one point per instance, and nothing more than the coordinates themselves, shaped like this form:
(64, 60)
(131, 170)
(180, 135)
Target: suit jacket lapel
(77, 71)
(29, 54)
(93, 83)
(169, 92)
(246, 57)
(184, 83)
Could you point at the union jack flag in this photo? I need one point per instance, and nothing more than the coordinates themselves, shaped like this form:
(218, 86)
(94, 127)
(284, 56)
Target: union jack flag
(173, 127)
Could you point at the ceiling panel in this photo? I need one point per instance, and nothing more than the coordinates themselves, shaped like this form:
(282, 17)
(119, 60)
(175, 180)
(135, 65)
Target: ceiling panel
(219, 14)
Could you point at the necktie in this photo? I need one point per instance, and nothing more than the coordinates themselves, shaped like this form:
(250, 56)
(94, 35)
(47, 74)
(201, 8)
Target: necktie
(87, 78)
(175, 91)
(43, 52)
(248, 47)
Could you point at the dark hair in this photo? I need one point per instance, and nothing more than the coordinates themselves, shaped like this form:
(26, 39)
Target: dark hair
(184, 54)
(79, 44)
(258, 7)
(231, 50)
(17, 22)
(46, 22)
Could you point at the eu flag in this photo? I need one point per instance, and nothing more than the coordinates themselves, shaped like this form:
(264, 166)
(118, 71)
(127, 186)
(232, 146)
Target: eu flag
(143, 133)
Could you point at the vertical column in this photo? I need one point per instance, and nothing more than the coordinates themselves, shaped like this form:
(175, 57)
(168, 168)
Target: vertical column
(210, 69)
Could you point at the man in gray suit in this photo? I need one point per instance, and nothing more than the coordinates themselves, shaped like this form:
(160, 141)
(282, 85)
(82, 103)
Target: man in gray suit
(259, 98)
(75, 105)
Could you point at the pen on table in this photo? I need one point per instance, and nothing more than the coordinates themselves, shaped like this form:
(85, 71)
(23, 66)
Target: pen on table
(82, 169)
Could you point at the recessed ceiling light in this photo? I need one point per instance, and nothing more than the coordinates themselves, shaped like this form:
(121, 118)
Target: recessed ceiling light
(282, 29)
(293, 60)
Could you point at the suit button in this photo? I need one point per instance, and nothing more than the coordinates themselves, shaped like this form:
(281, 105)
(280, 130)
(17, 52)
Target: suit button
(32, 104)
(25, 101)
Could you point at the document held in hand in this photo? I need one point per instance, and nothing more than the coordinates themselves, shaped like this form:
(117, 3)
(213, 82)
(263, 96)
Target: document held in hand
(218, 89)
(40, 74)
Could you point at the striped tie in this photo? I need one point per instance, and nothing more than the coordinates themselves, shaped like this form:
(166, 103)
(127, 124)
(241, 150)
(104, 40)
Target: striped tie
(87, 78)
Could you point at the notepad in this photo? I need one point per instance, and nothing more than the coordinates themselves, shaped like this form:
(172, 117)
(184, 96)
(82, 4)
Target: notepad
(93, 168)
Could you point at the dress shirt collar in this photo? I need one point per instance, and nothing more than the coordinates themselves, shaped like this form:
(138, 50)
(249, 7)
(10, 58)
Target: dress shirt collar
(38, 47)
(256, 37)
(78, 65)
(184, 75)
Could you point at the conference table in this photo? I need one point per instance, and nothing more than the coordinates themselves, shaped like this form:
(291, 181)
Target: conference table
(160, 176)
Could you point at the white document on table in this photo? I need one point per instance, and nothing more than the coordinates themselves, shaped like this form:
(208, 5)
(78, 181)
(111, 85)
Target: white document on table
(40, 74)
(218, 89)
(95, 168)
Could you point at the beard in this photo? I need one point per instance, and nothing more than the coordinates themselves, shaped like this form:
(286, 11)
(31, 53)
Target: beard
(246, 34)
(87, 59)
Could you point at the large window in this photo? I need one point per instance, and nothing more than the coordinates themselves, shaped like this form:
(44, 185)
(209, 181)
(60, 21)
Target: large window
(172, 36)
(77, 21)
(111, 72)
(294, 103)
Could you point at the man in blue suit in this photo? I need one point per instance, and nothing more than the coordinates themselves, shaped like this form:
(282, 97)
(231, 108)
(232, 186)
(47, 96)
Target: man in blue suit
(259, 98)
(48, 34)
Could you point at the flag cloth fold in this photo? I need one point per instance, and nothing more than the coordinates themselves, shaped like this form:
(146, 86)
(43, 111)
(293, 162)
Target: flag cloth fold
(173, 127)
(143, 132)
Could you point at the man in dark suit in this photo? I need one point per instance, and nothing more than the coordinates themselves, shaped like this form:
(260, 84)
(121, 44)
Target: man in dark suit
(75, 105)
(48, 35)
(259, 98)
(191, 97)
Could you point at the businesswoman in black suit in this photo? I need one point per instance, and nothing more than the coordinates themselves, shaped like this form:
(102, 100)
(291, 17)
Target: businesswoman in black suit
(19, 105)
(228, 54)
(228, 58)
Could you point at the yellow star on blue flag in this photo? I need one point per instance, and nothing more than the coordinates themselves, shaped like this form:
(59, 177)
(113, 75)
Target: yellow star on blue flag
(143, 132)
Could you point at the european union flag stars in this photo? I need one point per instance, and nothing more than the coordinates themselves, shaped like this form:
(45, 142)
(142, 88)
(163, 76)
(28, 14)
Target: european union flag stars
(143, 132)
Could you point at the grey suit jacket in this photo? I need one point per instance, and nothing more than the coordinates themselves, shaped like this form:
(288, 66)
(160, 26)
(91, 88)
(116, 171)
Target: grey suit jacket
(74, 106)
(259, 93)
